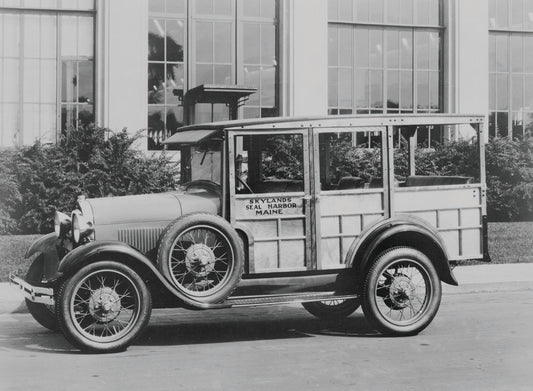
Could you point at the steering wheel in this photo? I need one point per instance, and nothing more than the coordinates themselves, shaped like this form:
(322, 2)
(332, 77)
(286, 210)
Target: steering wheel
(205, 184)
(243, 182)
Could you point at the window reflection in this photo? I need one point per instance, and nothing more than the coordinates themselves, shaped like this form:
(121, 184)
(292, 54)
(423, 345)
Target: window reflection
(166, 78)
(392, 67)
(259, 68)
(422, 12)
(212, 27)
(510, 68)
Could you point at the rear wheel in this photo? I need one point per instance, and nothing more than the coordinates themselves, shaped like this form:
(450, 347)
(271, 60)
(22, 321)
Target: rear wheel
(402, 292)
(42, 313)
(332, 309)
(103, 307)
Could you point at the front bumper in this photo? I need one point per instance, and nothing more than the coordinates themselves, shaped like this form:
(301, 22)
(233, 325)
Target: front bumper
(35, 294)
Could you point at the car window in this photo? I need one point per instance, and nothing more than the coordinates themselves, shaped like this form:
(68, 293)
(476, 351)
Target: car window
(269, 163)
(351, 159)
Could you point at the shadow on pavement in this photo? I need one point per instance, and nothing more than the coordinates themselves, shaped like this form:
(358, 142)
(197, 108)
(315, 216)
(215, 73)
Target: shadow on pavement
(184, 327)
(247, 325)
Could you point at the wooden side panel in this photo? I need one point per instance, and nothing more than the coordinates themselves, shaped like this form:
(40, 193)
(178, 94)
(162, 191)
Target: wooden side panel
(454, 211)
(343, 216)
(277, 223)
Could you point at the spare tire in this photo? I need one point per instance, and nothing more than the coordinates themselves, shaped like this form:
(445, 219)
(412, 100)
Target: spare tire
(202, 256)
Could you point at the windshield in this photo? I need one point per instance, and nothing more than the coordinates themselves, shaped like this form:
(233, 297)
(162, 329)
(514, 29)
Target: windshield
(202, 162)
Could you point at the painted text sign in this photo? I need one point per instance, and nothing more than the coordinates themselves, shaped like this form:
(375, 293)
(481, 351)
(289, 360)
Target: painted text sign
(269, 206)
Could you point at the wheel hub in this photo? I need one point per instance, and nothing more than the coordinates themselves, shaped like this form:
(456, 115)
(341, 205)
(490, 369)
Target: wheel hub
(400, 292)
(200, 260)
(104, 304)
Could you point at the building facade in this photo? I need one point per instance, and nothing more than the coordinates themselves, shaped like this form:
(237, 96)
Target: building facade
(130, 63)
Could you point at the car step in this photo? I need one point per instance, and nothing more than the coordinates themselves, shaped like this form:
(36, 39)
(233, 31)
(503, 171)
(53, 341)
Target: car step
(255, 301)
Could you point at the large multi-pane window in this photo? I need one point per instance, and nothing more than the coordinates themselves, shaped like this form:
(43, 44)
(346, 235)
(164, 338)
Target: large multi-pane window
(384, 56)
(46, 69)
(223, 42)
(166, 68)
(510, 67)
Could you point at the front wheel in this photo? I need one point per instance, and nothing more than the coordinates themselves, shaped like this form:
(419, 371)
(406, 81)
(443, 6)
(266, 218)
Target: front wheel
(103, 307)
(401, 292)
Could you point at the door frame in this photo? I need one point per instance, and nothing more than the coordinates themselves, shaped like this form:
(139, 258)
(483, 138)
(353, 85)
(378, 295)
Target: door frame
(386, 189)
(307, 198)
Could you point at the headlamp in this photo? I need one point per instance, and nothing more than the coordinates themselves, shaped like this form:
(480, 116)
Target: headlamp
(81, 226)
(62, 224)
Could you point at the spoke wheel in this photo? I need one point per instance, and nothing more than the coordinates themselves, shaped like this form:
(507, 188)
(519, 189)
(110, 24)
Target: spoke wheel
(42, 313)
(332, 309)
(103, 307)
(201, 260)
(402, 292)
(202, 256)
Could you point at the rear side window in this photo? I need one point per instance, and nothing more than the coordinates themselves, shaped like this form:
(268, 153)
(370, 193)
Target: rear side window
(436, 155)
(351, 159)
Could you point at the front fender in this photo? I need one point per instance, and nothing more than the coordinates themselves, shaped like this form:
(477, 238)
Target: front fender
(94, 251)
(41, 245)
(48, 250)
(398, 231)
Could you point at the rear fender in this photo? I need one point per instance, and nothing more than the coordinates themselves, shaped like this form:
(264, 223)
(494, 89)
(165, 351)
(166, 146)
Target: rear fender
(95, 251)
(400, 231)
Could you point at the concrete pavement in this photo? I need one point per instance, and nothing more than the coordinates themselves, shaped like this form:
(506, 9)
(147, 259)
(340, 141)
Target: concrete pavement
(476, 278)
(478, 342)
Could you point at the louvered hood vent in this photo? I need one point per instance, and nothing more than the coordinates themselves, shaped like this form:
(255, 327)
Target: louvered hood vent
(143, 239)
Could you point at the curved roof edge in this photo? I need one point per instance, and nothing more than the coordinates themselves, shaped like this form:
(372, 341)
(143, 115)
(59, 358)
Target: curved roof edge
(340, 120)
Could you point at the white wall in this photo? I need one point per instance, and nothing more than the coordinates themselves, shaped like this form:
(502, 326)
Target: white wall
(308, 80)
(466, 57)
(122, 65)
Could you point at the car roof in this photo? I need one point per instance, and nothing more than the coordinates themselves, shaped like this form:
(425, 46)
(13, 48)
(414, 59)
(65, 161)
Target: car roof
(339, 121)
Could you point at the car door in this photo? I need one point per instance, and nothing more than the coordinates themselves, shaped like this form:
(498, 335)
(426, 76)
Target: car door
(349, 192)
(270, 197)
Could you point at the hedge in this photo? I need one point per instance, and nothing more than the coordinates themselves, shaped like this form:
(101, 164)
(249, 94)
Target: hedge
(96, 162)
(509, 169)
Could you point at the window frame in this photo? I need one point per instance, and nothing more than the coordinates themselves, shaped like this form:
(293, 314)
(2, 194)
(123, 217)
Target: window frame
(384, 26)
(237, 18)
(508, 31)
(58, 13)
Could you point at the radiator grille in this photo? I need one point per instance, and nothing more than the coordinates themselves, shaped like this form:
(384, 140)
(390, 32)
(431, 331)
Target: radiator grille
(143, 239)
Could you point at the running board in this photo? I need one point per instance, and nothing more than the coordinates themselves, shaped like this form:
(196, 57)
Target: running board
(256, 301)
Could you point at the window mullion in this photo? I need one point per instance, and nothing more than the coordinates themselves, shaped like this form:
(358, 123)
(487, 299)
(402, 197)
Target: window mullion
(509, 85)
(20, 113)
(414, 70)
(59, 75)
(384, 77)
(354, 69)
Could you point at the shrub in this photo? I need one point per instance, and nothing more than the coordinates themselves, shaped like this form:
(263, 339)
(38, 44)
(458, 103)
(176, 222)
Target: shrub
(95, 162)
(509, 169)
(510, 179)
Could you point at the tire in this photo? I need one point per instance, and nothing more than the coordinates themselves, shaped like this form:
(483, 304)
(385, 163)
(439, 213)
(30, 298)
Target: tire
(42, 313)
(401, 292)
(332, 309)
(87, 308)
(202, 256)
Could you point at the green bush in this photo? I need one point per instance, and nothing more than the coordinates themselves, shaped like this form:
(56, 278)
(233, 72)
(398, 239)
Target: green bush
(510, 179)
(509, 169)
(96, 162)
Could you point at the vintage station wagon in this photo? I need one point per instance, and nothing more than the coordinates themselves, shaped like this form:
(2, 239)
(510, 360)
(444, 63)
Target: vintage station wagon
(331, 212)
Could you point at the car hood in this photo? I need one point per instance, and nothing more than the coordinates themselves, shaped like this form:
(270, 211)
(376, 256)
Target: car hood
(150, 208)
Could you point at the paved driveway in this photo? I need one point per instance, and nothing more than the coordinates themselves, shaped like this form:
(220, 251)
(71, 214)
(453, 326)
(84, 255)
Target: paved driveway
(478, 341)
